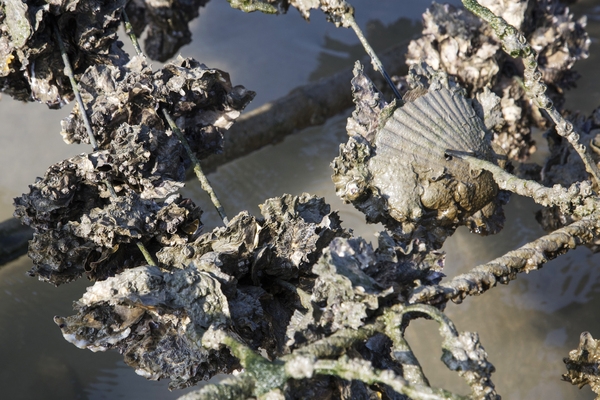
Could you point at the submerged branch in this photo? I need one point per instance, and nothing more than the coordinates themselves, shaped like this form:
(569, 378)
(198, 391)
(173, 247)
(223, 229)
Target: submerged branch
(305, 106)
(505, 268)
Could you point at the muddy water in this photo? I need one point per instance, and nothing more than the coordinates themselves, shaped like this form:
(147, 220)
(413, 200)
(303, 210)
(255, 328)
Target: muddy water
(526, 327)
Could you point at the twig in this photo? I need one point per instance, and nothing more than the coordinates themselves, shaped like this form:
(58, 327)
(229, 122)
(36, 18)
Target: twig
(401, 351)
(236, 387)
(69, 72)
(579, 199)
(515, 44)
(462, 352)
(362, 370)
(204, 183)
(505, 268)
(349, 19)
(132, 36)
(267, 375)
(146, 253)
(336, 344)
(304, 363)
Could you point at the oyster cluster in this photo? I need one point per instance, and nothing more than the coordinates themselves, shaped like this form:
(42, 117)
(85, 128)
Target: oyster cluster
(335, 10)
(292, 278)
(564, 167)
(80, 226)
(31, 68)
(165, 24)
(459, 43)
(582, 363)
(396, 167)
(278, 282)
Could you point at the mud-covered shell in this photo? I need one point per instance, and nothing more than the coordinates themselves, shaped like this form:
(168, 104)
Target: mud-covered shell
(410, 166)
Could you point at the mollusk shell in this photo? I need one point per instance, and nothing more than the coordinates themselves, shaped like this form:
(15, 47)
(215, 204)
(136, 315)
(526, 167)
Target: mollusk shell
(410, 167)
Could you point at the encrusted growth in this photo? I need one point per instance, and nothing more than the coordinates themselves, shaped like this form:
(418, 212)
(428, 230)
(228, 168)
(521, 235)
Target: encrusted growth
(30, 62)
(583, 364)
(395, 169)
(165, 24)
(292, 299)
(464, 46)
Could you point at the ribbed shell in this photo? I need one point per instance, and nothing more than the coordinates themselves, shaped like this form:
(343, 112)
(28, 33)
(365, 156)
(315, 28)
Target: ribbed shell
(422, 130)
(410, 170)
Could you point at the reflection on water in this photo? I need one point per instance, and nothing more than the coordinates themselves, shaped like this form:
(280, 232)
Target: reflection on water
(527, 327)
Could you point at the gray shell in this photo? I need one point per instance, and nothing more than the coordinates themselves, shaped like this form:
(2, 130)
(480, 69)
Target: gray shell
(410, 168)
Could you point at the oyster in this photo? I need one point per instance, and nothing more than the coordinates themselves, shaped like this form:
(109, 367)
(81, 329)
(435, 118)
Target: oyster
(395, 167)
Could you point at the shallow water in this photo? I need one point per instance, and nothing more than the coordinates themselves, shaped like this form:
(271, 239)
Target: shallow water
(526, 327)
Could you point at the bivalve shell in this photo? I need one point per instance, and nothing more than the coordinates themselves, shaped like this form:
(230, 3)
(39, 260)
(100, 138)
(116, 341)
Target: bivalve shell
(395, 169)
(410, 166)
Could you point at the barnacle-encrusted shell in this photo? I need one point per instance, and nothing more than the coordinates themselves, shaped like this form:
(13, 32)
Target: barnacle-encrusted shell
(410, 166)
(395, 167)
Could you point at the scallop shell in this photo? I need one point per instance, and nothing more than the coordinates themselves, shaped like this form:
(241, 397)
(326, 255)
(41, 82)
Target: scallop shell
(410, 168)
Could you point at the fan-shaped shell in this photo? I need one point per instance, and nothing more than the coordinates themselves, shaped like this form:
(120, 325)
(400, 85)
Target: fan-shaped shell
(410, 167)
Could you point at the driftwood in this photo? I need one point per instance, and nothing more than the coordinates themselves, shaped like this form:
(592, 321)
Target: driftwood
(304, 106)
